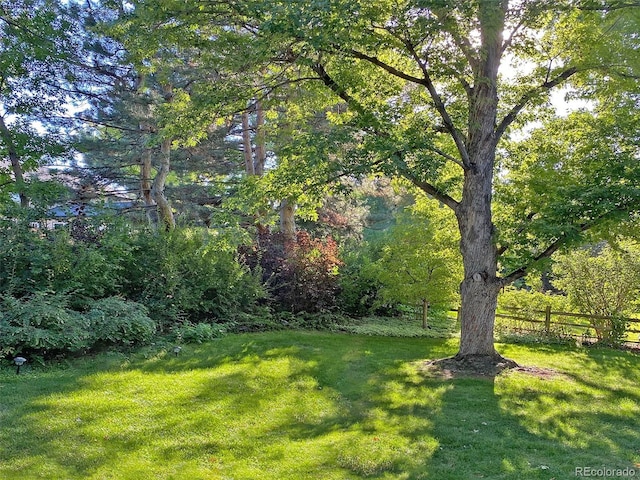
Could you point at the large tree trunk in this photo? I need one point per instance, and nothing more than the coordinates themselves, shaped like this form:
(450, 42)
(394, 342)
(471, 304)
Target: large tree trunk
(16, 166)
(480, 287)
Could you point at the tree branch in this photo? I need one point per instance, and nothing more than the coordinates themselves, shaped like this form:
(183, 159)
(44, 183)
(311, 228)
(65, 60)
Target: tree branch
(435, 96)
(425, 186)
(448, 123)
(445, 155)
(509, 41)
(397, 157)
(556, 244)
(527, 97)
(343, 94)
(103, 124)
(607, 7)
(385, 66)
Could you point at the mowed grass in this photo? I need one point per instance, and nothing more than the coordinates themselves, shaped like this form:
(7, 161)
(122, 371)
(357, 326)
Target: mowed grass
(298, 405)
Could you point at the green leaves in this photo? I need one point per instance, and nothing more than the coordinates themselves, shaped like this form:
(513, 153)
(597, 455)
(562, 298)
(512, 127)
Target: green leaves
(420, 257)
(556, 187)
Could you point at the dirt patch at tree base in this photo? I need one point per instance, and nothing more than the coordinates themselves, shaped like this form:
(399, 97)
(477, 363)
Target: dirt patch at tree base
(483, 366)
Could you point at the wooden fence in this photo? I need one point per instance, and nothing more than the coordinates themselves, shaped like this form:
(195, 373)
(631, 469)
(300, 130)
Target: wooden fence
(547, 322)
(568, 324)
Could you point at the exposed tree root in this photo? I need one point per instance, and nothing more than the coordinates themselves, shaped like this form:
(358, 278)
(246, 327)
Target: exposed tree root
(471, 365)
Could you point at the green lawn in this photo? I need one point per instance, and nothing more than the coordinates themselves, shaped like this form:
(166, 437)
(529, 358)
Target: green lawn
(297, 405)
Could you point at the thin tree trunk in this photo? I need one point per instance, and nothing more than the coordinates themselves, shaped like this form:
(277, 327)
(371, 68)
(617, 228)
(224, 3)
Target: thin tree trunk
(246, 145)
(288, 223)
(146, 185)
(261, 151)
(254, 159)
(165, 213)
(145, 177)
(425, 313)
(16, 166)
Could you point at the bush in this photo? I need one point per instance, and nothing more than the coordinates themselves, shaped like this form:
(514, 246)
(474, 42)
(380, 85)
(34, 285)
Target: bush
(602, 281)
(359, 285)
(185, 274)
(303, 277)
(37, 260)
(531, 303)
(42, 323)
(115, 321)
(189, 275)
(198, 332)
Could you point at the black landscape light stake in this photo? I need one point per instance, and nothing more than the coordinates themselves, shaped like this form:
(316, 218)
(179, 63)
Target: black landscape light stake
(177, 350)
(19, 361)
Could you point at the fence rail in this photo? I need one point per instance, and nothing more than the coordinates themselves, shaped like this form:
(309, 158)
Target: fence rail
(542, 321)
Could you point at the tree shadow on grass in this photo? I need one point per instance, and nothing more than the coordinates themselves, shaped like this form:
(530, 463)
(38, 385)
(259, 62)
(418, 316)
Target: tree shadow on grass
(541, 423)
(297, 406)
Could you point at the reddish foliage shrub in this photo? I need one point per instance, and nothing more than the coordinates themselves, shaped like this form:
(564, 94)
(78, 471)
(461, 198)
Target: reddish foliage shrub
(300, 275)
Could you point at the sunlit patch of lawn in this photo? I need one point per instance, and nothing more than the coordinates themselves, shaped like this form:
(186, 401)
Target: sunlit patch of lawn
(297, 405)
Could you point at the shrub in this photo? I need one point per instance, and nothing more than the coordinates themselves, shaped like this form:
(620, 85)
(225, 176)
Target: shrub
(115, 321)
(359, 285)
(41, 323)
(189, 275)
(44, 324)
(198, 332)
(531, 303)
(601, 281)
(420, 258)
(36, 260)
(303, 277)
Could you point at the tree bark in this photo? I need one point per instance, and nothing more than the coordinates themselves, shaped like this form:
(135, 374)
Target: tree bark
(16, 166)
(480, 287)
(288, 223)
(261, 150)
(165, 213)
(246, 145)
(254, 158)
(145, 177)
(146, 186)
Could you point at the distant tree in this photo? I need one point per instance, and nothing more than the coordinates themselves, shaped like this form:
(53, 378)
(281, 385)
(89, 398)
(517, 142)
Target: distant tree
(602, 281)
(420, 261)
(38, 76)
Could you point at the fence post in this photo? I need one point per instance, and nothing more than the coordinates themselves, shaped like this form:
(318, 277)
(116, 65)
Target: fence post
(425, 312)
(547, 319)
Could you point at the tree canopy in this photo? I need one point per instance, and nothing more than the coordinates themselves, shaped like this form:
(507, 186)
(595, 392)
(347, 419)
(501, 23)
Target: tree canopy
(453, 97)
(435, 92)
